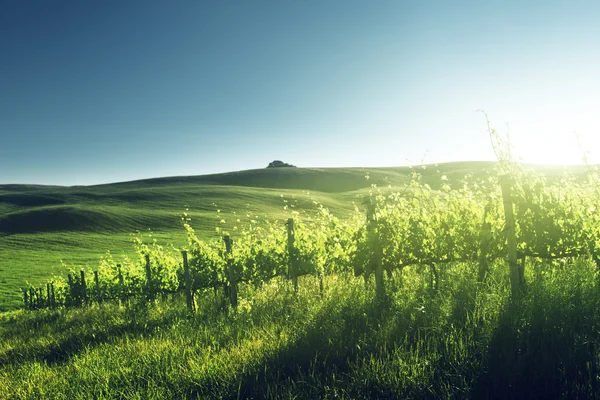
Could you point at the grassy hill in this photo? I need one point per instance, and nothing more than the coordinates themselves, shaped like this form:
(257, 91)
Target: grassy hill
(463, 339)
(42, 225)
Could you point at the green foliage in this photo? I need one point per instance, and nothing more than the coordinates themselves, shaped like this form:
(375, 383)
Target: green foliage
(456, 333)
(461, 220)
(465, 341)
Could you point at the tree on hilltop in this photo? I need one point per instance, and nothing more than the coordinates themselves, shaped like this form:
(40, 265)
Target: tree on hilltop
(279, 164)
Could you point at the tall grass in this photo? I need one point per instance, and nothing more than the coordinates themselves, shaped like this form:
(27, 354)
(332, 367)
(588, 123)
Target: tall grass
(464, 340)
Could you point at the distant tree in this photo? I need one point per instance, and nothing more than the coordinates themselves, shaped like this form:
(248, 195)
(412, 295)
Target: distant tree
(279, 164)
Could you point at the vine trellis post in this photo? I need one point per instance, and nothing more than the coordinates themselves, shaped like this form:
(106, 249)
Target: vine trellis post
(484, 245)
(376, 250)
(149, 283)
(293, 262)
(122, 285)
(233, 289)
(84, 296)
(189, 298)
(515, 275)
(98, 292)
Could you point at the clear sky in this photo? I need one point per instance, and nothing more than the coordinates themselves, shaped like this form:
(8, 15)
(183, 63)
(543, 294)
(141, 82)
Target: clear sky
(113, 90)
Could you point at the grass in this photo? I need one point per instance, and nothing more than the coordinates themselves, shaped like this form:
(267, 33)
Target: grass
(36, 236)
(463, 341)
(42, 225)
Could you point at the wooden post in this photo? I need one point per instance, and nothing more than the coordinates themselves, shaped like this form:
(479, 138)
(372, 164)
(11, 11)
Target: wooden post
(53, 301)
(367, 269)
(321, 283)
(188, 282)
(292, 267)
(149, 285)
(484, 244)
(515, 281)
(97, 282)
(49, 297)
(379, 278)
(233, 295)
(521, 268)
(377, 261)
(435, 277)
(25, 298)
(71, 299)
(84, 297)
(31, 298)
(122, 285)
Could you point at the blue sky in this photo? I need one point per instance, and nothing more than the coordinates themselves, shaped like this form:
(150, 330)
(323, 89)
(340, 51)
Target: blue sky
(105, 91)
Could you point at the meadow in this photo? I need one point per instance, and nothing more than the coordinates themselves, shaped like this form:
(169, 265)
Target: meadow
(42, 226)
(448, 324)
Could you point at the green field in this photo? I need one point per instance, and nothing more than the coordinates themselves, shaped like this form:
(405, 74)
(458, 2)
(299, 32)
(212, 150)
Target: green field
(441, 329)
(461, 341)
(40, 226)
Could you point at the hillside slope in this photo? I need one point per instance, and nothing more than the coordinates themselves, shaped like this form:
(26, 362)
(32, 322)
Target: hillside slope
(42, 225)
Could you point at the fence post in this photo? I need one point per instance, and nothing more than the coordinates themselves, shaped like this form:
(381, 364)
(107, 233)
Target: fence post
(188, 282)
(233, 295)
(53, 301)
(71, 298)
(25, 298)
(40, 297)
(122, 285)
(321, 283)
(292, 253)
(515, 281)
(435, 277)
(149, 285)
(31, 298)
(83, 288)
(97, 281)
(49, 297)
(377, 262)
(484, 244)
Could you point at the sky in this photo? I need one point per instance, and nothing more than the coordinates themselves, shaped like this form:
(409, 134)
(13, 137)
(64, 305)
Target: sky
(105, 91)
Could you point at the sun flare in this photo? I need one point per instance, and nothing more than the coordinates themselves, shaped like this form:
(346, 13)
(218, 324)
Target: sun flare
(556, 140)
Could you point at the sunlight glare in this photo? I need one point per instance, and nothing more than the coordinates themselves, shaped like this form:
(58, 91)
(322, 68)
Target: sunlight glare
(556, 139)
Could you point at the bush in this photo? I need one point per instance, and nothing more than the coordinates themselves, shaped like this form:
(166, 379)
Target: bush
(279, 164)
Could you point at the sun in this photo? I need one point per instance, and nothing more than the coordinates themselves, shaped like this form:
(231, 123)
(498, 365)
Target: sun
(556, 140)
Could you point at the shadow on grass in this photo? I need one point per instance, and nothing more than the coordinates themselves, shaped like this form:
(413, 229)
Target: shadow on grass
(543, 348)
(54, 337)
(336, 336)
(457, 342)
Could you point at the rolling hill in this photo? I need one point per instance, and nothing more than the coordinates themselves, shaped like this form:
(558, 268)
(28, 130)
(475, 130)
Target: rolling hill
(42, 225)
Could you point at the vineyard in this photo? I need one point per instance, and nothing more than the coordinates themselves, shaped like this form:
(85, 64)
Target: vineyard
(481, 287)
(515, 215)
(469, 287)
